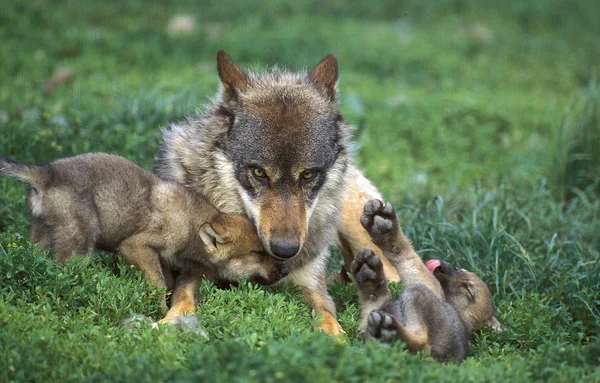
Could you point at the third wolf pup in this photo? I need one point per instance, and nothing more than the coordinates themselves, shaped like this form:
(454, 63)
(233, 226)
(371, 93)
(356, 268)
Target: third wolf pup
(441, 305)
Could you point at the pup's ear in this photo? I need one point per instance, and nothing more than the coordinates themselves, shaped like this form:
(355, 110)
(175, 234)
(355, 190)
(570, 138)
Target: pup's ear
(233, 79)
(325, 75)
(210, 237)
(495, 324)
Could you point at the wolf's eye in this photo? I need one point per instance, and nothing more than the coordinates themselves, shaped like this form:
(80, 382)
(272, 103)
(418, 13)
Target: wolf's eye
(258, 173)
(308, 175)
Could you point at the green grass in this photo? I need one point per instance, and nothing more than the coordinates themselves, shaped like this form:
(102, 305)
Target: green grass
(478, 120)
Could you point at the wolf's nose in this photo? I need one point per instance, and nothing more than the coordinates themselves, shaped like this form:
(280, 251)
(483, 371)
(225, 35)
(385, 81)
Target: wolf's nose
(284, 249)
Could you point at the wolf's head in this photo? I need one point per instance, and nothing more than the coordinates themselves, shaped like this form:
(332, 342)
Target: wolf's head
(287, 143)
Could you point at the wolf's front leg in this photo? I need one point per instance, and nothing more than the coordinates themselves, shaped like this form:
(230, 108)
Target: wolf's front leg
(311, 279)
(369, 277)
(185, 293)
(380, 221)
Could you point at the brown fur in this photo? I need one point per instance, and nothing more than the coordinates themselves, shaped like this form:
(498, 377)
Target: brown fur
(437, 312)
(107, 202)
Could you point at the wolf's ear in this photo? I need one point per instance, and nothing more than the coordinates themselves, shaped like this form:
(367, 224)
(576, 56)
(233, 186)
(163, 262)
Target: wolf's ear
(325, 75)
(232, 77)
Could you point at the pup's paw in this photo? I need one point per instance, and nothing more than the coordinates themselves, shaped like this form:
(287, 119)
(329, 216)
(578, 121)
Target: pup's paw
(380, 221)
(367, 270)
(382, 326)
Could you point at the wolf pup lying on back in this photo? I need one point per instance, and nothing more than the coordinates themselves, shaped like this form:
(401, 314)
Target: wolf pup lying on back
(436, 314)
(274, 147)
(107, 202)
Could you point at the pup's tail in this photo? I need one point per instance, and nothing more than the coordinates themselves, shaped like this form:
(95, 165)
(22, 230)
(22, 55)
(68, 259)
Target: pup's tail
(28, 173)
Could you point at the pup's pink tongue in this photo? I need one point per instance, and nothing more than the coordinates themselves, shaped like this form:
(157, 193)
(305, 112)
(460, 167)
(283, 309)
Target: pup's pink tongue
(433, 264)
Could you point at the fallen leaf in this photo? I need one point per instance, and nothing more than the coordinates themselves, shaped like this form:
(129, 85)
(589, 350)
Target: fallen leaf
(60, 76)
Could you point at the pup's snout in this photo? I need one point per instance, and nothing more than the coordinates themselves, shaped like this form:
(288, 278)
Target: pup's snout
(283, 269)
(284, 250)
(276, 272)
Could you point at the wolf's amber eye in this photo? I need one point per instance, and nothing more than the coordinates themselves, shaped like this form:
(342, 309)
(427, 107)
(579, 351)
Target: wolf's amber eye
(308, 175)
(258, 172)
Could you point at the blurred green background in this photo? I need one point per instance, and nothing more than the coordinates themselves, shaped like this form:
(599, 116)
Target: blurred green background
(442, 95)
(479, 120)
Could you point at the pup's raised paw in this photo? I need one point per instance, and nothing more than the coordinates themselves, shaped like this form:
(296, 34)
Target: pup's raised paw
(382, 326)
(367, 271)
(380, 221)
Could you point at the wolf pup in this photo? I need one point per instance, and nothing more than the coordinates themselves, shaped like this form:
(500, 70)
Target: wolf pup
(107, 202)
(436, 314)
(274, 147)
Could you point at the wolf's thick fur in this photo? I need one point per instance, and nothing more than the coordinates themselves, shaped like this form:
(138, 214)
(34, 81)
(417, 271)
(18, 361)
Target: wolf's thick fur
(437, 312)
(107, 202)
(274, 146)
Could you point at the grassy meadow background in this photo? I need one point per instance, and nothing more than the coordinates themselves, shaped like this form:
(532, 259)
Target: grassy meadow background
(479, 120)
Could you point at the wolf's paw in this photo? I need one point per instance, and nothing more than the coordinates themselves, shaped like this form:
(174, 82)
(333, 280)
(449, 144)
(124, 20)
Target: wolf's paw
(382, 326)
(330, 325)
(367, 270)
(380, 221)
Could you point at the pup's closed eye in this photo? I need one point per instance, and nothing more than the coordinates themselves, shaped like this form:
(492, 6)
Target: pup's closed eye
(470, 287)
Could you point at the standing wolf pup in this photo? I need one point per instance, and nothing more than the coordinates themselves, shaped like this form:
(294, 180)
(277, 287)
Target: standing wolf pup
(107, 202)
(274, 147)
(437, 312)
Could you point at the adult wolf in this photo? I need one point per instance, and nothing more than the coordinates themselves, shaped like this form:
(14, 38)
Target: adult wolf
(274, 146)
